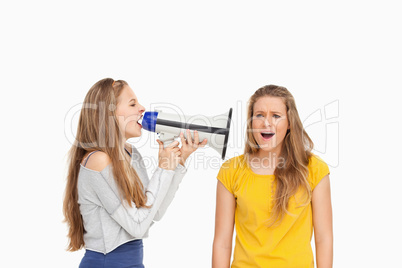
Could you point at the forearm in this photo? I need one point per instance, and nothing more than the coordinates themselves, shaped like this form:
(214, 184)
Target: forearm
(221, 256)
(136, 221)
(177, 178)
(324, 252)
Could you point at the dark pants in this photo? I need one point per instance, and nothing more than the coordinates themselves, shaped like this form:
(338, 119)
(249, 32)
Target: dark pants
(128, 255)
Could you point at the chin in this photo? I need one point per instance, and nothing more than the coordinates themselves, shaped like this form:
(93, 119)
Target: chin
(266, 147)
(136, 135)
(133, 135)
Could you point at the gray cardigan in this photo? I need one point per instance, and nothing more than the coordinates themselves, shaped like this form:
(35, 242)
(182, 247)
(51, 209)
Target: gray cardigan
(109, 222)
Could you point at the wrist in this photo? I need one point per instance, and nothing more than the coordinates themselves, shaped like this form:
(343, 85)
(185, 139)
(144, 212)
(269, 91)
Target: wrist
(165, 166)
(183, 160)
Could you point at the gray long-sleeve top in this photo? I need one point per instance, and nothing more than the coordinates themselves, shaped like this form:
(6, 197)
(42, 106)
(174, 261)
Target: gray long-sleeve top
(110, 222)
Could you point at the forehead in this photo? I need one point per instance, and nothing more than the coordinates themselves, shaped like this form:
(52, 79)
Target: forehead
(126, 94)
(269, 103)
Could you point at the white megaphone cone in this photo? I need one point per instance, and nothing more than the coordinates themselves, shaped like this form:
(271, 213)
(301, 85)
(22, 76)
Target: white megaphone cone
(169, 126)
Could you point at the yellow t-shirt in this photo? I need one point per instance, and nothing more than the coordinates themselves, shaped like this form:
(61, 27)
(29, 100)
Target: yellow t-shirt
(287, 245)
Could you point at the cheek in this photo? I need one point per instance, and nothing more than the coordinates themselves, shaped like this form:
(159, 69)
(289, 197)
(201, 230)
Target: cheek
(282, 126)
(120, 114)
(126, 123)
(121, 121)
(131, 125)
(256, 124)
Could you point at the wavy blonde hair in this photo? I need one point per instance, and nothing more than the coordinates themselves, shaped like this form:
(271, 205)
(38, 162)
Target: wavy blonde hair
(98, 129)
(295, 151)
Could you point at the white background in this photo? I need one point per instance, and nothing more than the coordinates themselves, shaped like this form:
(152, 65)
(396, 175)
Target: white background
(204, 57)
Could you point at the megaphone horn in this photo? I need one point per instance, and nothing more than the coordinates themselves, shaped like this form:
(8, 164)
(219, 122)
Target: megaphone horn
(169, 126)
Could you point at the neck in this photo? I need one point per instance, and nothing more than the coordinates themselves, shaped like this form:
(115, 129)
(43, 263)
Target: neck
(127, 146)
(275, 152)
(265, 162)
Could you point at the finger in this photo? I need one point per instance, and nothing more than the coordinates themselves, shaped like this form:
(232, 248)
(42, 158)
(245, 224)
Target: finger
(196, 138)
(173, 144)
(160, 145)
(183, 140)
(203, 143)
(175, 149)
(189, 138)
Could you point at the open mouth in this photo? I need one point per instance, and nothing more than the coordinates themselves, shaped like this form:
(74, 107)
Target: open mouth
(140, 121)
(267, 135)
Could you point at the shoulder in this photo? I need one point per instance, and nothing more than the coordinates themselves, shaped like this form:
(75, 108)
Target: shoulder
(98, 161)
(316, 162)
(318, 169)
(231, 167)
(231, 173)
(234, 163)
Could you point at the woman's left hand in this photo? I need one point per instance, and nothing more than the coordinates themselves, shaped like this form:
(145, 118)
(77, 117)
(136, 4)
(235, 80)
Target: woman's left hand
(188, 146)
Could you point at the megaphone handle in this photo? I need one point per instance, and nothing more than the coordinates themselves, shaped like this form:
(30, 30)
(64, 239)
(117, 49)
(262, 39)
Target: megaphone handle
(167, 143)
(166, 138)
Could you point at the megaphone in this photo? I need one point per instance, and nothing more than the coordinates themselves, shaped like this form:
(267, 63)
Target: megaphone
(169, 126)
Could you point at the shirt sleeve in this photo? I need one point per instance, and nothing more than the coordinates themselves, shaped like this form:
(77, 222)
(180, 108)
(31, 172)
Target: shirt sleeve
(318, 169)
(136, 221)
(180, 171)
(225, 175)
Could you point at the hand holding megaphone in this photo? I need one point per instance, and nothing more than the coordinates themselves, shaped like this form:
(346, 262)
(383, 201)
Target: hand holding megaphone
(170, 126)
(170, 156)
(187, 148)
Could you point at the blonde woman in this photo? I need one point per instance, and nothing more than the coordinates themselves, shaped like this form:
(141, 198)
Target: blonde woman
(110, 202)
(274, 193)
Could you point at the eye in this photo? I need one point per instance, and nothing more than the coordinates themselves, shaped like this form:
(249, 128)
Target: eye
(259, 115)
(276, 116)
(132, 105)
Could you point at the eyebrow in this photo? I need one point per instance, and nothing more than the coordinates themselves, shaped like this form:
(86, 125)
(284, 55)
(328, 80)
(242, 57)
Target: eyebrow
(132, 100)
(274, 112)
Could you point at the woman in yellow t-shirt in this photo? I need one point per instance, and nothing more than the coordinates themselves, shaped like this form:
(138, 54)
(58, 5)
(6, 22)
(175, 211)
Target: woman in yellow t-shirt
(274, 193)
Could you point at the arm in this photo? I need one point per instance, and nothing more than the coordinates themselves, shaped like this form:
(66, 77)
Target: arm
(136, 221)
(188, 147)
(322, 221)
(180, 171)
(224, 225)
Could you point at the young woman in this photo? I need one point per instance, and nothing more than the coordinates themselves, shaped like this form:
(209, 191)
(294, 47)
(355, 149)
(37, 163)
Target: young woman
(110, 202)
(274, 193)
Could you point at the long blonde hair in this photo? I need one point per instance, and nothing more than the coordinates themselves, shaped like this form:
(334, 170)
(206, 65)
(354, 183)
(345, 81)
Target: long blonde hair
(295, 152)
(98, 129)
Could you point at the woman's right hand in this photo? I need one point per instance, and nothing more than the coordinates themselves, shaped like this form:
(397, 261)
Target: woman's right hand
(169, 157)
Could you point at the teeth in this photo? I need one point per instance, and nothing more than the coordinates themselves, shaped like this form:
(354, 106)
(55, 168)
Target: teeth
(140, 121)
(267, 133)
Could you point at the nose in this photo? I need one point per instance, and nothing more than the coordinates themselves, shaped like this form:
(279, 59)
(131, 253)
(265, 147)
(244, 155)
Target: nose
(267, 123)
(141, 109)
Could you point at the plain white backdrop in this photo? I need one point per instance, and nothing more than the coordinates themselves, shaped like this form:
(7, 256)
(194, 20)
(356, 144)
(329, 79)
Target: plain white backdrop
(341, 60)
